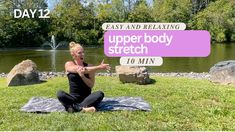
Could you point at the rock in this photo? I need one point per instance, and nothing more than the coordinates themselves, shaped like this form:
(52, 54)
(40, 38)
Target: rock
(133, 74)
(23, 73)
(223, 72)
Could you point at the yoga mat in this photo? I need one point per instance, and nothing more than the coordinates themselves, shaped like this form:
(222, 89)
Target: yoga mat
(46, 105)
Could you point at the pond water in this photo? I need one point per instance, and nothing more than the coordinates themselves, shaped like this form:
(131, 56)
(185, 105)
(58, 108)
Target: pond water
(49, 60)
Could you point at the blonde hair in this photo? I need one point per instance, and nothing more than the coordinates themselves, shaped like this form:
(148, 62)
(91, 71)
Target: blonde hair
(73, 46)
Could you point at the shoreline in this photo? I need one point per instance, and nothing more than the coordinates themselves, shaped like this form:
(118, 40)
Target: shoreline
(49, 74)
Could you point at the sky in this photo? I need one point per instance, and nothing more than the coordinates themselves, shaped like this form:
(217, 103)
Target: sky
(52, 3)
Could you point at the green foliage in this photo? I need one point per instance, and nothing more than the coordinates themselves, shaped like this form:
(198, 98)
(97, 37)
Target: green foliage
(118, 10)
(71, 21)
(141, 13)
(104, 13)
(21, 32)
(177, 104)
(199, 5)
(218, 18)
(172, 11)
(112, 12)
(76, 20)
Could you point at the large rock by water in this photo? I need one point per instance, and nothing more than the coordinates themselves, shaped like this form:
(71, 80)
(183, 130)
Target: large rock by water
(223, 72)
(133, 74)
(23, 73)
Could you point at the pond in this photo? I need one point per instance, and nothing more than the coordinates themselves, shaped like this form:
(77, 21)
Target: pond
(49, 60)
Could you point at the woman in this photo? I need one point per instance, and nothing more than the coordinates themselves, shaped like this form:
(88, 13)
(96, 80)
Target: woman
(81, 78)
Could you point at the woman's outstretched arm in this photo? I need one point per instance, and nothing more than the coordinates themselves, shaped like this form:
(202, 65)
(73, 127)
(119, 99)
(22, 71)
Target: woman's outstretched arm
(71, 67)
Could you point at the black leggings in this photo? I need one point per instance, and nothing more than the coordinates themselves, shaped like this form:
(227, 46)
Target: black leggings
(68, 100)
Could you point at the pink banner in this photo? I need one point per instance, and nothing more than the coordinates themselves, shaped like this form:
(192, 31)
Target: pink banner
(169, 43)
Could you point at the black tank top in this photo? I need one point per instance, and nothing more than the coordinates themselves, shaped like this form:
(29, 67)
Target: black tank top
(78, 87)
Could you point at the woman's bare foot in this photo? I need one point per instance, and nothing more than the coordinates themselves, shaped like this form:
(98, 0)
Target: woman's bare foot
(88, 109)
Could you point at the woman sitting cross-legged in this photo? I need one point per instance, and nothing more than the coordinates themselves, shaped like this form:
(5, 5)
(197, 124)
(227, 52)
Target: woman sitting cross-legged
(81, 78)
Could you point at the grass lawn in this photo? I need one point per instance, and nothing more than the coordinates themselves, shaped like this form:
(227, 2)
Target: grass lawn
(177, 104)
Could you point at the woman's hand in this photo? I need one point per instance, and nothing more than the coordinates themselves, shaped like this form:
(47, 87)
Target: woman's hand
(81, 71)
(104, 66)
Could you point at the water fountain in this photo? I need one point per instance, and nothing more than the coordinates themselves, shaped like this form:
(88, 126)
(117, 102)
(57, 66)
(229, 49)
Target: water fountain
(52, 43)
(53, 52)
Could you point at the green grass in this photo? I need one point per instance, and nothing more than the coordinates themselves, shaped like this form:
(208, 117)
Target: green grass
(177, 104)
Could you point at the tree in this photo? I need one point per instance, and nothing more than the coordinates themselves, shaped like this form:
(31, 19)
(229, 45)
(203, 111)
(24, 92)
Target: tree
(172, 11)
(141, 13)
(218, 18)
(73, 22)
(22, 32)
(198, 5)
(112, 12)
(104, 13)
